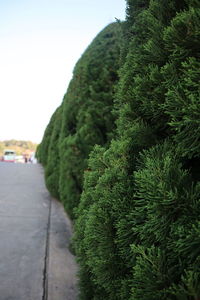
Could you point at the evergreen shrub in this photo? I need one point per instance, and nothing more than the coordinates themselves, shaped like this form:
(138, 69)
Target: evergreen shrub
(136, 231)
(133, 185)
(87, 111)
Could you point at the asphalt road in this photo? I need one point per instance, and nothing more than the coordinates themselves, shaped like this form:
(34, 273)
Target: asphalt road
(35, 263)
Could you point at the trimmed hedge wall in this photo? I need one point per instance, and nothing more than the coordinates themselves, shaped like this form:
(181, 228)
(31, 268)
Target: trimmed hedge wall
(136, 200)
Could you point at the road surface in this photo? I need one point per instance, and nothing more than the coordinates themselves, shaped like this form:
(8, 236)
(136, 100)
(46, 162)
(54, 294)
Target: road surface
(35, 263)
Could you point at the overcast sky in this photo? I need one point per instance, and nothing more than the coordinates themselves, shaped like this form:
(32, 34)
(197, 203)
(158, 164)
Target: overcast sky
(40, 42)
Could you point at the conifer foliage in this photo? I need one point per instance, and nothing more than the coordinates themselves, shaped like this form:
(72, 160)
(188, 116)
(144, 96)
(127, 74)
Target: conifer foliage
(138, 220)
(52, 169)
(137, 206)
(84, 119)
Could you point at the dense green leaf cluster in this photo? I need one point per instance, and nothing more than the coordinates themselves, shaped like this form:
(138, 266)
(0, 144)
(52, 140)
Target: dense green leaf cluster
(137, 223)
(137, 227)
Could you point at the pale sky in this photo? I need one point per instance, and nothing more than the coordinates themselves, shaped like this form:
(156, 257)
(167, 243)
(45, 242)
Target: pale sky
(40, 43)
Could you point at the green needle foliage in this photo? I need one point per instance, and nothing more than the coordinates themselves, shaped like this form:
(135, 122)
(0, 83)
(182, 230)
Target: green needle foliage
(48, 152)
(133, 184)
(52, 169)
(137, 226)
(87, 111)
(84, 119)
(43, 149)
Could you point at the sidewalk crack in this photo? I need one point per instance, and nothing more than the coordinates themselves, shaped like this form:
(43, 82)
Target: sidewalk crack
(46, 258)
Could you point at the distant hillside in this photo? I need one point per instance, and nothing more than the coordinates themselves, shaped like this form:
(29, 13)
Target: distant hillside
(19, 146)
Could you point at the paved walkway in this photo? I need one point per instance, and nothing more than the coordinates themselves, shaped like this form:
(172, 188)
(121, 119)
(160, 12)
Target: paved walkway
(35, 263)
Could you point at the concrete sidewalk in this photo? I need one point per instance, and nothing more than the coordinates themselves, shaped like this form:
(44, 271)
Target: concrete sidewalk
(35, 262)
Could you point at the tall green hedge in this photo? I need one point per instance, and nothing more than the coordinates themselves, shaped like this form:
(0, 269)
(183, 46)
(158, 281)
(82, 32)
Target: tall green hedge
(84, 119)
(43, 148)
(137, 226)
(87, 117)
(52, 169)
(136, 200)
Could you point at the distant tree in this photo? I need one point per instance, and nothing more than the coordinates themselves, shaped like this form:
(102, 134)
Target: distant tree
(2, 146)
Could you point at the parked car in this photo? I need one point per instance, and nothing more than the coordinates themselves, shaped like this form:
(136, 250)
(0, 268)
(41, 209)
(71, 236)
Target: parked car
(9, 155)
